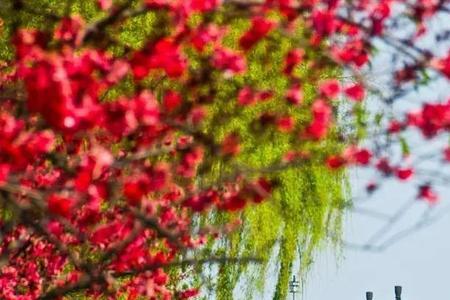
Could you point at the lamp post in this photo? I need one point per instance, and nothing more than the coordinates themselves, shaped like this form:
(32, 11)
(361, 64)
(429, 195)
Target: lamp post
(293, 286)
(397, 290)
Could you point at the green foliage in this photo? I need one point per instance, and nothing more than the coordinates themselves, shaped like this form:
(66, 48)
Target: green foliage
(305, 209)
(308, 204)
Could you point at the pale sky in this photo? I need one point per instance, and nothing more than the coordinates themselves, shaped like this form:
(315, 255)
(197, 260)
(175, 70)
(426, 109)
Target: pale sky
(420, 263)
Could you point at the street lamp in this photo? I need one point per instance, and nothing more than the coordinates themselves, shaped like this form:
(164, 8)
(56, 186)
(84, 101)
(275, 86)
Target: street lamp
(293, 286)
(397, 290)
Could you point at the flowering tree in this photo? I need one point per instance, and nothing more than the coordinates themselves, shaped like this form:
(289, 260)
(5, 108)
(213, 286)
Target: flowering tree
(126, 126)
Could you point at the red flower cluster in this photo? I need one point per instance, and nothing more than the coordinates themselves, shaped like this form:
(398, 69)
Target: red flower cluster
(321, 112)
(164, 54)
(259, 29)
(110, 151)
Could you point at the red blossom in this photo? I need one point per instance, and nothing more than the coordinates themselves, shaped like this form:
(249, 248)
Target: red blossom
(203, 5)
(355, 92)
(293, 58)
(229, 61)
(190, 161)
(362, 156)
(70, 29)
(231, 145)
(134, 190)
(356, 155)
(427, 194)
(335, 162)
(285, 124)
(204, 36)
(294, 95)
(28, 42)
(384, 166)
(395, 127)
(104, 4)
(404, 173)
(234, 203)
(246, 96)
(107, 232)
(59, 205)
(172, 100)
(154, 180)
(199, 203)
(264, 95)
(186, 294)
(164, 54)
(371, 187)
(4, 172)
(324, 23)
(124, 168)
(447, 154)
(442, 65)
(197, 115)
(260, 27)
(321, 112)
(432, 118)
(330, 88)
(351, 53)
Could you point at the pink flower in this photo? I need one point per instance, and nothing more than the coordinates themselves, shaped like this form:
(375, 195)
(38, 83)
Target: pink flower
(70, 29)
(330, 88)
(294, 95)
(442, 65)
(229, 61)
(246, 96)
(104, 4)
(203, 36)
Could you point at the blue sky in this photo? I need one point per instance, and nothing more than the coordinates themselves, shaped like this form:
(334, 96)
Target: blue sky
(420, 263)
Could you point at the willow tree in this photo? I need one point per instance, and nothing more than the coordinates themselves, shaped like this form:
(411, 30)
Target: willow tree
(307, 208)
